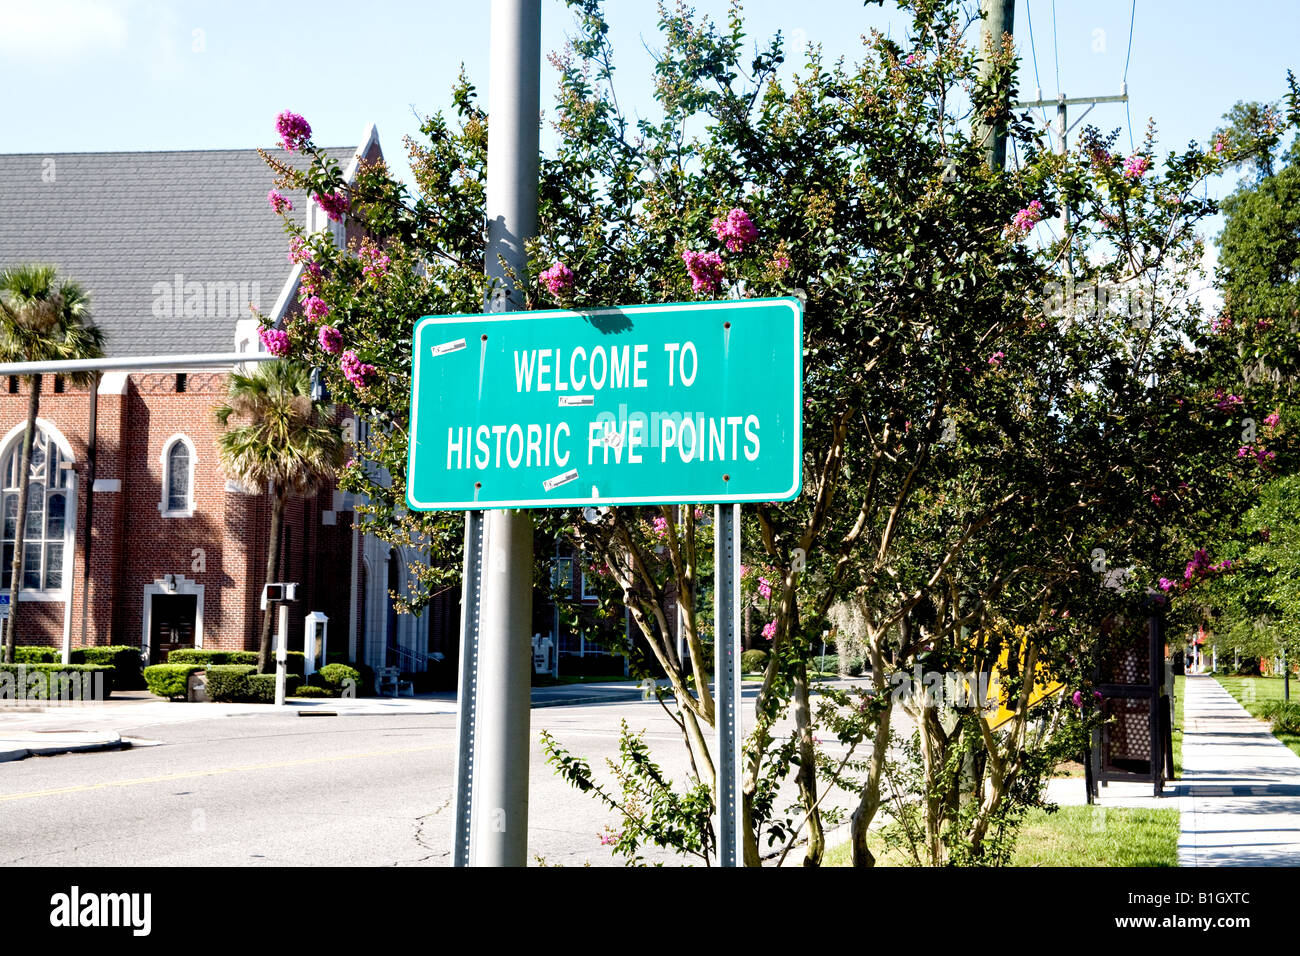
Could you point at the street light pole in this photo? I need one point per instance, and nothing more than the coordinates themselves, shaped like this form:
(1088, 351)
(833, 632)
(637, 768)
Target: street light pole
(500, 769)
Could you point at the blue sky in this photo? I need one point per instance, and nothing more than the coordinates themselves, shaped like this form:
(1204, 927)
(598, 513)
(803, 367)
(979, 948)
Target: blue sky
(141, 74)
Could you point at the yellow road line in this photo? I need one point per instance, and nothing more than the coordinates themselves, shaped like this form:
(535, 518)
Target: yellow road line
(213, 772)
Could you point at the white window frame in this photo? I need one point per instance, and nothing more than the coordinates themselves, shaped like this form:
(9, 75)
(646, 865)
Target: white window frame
(165, 466)
(12, 442)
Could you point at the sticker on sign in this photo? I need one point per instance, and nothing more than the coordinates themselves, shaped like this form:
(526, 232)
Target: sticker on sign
(645, 404)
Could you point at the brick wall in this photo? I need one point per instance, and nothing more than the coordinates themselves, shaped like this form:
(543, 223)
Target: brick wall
(134, 545)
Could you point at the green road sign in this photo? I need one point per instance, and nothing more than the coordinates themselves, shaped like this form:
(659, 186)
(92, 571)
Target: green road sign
(647, 404)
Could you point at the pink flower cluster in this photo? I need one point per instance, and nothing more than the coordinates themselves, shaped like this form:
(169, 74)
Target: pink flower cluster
(1197, 569)
(293, 129)
(659, 526)
(1136, 166)
(315, 308)
(558, 279)
(705, 269)
(1272, 419)
(1220, 324)
(275, 340)
(331, 339)
(355, 370)
(279, 202)
(1226, 403)
(1262, 455)
(769, 630)
(1077, 697)
(735, 230)
(334, 203)
(765, 589)
(1026, 218)
(996, 359)
(298, 251)
(374, 262)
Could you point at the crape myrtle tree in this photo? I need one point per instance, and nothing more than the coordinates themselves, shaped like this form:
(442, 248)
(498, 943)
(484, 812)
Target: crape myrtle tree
(995, 464)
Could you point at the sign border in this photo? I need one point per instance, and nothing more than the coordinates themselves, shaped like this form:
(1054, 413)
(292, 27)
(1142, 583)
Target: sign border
(429, 321)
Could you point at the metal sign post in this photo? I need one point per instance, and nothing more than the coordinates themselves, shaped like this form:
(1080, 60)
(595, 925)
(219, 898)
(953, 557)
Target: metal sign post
(467, 697)
(281, 653)
(726, 669)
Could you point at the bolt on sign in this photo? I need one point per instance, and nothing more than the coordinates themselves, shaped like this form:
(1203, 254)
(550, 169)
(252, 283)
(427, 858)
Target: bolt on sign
(645, 404)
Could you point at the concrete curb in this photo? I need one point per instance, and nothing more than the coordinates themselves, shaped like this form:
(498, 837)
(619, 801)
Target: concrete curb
(37, 744)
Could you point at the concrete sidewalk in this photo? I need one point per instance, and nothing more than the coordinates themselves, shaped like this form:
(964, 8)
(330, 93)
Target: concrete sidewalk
(1240, 789)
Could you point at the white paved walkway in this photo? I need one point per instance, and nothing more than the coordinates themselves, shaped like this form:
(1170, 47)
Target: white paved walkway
(1240, 790)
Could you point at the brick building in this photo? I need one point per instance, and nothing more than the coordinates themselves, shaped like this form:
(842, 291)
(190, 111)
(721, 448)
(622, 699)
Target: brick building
(143, 540)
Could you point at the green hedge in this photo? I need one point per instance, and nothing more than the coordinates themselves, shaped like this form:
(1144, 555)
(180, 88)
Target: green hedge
(170, 680)
(309, 691)
(334, 677)
(228, 682)
(127, 660)
(753, 661)
(124, 658)
(261, 687)
(826, 663)
(295, 662)
(55, 681)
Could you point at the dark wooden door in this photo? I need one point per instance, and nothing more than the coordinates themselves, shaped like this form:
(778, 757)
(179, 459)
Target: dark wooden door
(171, 622)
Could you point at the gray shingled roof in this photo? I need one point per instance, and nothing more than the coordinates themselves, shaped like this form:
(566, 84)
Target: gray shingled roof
(126, 225)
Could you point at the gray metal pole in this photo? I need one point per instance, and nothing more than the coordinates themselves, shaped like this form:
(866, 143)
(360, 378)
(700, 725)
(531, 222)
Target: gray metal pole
(500, 812)
(726, 672)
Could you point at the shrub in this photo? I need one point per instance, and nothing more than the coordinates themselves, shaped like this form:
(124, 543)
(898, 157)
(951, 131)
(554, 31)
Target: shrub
(197, 655)
(36, 655)
(170, 680)
(261, 687)
(55, 681)
(753, 661)
(295, 662)
(308, 691)
(335, 677)
(1286, 719)
(827, 663)
(123, 657)
(228, 682)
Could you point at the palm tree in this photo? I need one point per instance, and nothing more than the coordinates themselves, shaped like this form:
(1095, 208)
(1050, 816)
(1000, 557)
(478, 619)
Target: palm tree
(275, 434)
(41, 319)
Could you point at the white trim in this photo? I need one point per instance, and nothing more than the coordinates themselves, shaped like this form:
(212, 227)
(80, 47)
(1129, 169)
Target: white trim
(113, 383)
(102, 485)
(44, 425)
(183, 585)
(166, 476)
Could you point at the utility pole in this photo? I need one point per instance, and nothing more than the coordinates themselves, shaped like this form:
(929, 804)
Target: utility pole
(492, 828)
(1062, 133)
(999, 19)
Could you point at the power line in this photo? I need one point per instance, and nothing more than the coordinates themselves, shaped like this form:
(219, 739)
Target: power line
(1056, 54)
(1132, 14)
(1128, 116)
(1034, 52)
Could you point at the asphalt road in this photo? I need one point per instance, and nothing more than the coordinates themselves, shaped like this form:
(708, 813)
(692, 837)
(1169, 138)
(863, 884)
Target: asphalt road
(285, 790)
